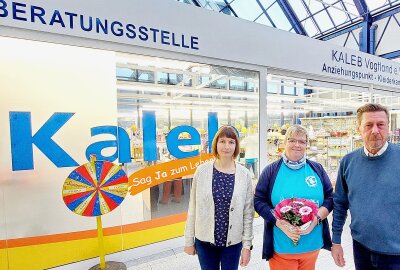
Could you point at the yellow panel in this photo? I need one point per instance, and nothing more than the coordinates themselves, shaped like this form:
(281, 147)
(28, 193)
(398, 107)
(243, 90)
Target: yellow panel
(51, 255)
(137, 239)
(3, 259)
(44, 256)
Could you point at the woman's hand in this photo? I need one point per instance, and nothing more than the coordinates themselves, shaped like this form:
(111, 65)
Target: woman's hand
(245, 258)
(310, 228)
(291, 231)
(190, 250)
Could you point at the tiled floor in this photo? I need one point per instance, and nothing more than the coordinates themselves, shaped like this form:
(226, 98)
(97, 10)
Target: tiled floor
(174, 259)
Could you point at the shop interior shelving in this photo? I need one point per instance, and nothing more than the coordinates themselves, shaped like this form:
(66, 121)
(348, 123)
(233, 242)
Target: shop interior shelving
(331, 138)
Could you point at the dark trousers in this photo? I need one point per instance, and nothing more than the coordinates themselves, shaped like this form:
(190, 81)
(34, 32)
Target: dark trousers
(212, 257)
(252, 165)
(364, 259)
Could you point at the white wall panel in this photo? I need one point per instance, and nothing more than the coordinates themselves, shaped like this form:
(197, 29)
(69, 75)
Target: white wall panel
(42, 79)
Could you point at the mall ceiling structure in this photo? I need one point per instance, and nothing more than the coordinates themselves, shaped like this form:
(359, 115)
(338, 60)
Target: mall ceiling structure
(162, 84)
(371, 26)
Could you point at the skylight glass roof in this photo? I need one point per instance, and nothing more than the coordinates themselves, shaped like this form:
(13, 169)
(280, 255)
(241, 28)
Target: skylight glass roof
(314, 18)
(249, 10)
(376, 5)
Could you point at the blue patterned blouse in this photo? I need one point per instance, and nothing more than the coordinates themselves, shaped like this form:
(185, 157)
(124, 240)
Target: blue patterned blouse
(222, 189)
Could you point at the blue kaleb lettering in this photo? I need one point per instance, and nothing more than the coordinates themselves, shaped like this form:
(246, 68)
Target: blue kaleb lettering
(121, 144)
(212, 128)
(173, 141)
(22, 141)
(149, 136)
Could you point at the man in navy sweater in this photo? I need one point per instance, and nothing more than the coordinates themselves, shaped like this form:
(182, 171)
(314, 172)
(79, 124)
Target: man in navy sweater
(368, 184)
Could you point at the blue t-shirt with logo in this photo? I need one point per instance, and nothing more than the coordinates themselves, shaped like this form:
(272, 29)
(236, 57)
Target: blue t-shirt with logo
(302, 183)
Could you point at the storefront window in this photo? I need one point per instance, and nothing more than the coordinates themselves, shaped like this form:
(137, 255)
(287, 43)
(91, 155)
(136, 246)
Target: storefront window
(177, 102)
(327, 111)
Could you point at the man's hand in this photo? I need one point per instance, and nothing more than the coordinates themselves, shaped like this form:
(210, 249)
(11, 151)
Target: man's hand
(337, 254)
(291, 231)
(245, 258)
(190, 250)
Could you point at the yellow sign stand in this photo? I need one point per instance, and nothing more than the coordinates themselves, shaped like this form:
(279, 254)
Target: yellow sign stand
(94, 189)
(100, 237)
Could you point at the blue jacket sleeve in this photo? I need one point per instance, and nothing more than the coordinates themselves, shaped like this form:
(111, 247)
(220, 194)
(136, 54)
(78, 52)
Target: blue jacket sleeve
(262, 196)
(326, 183)
(328, 190)
(340, 205)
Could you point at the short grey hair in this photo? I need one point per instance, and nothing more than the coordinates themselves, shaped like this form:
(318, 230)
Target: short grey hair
(371, 107)
(296, 129)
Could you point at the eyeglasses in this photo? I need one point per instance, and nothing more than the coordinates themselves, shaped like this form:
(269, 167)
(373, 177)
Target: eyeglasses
(294, 141)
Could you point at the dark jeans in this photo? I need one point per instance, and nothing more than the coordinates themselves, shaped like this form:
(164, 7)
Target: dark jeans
(211, 256)
(364, 259)
(252, 165)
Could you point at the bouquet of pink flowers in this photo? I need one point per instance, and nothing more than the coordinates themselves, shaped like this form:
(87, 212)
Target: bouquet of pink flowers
(297, 212)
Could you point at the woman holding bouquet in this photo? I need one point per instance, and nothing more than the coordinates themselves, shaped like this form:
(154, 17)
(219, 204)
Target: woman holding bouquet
(219, 226)
(287, 247)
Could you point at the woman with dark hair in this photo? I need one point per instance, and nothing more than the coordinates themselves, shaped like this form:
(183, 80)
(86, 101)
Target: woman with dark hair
(219, 226)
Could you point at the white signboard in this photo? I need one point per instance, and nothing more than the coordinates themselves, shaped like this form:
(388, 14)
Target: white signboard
(52, 102)
(172, 26)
